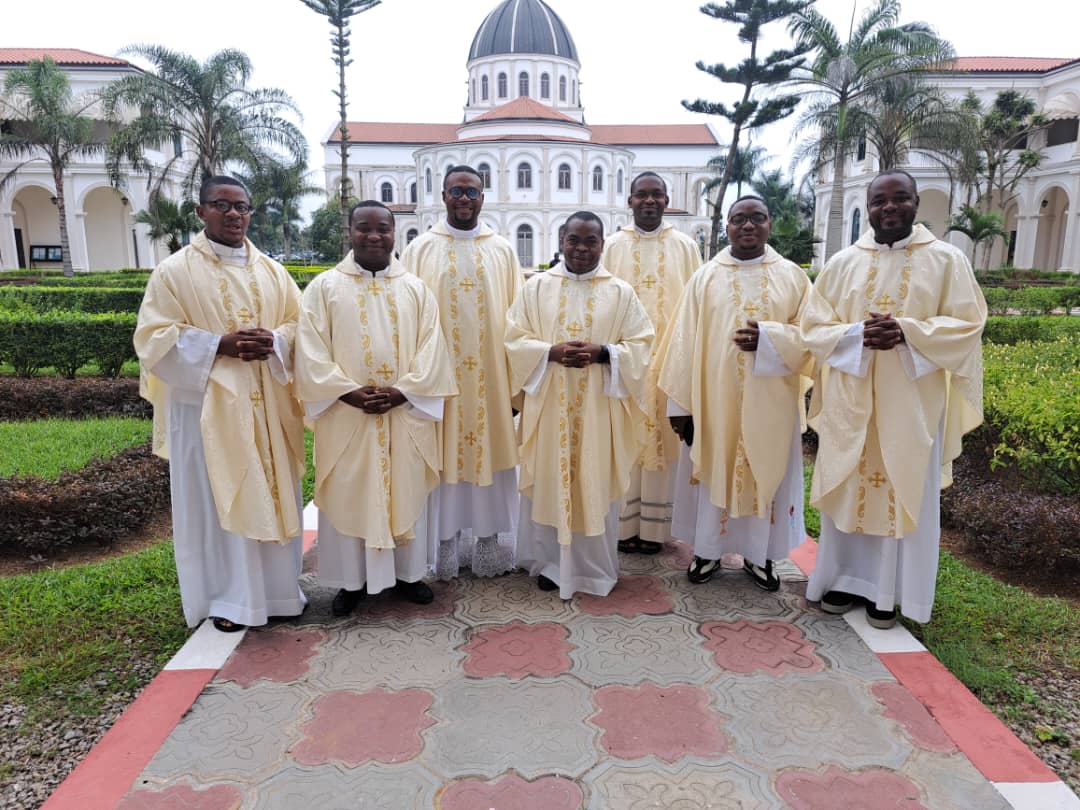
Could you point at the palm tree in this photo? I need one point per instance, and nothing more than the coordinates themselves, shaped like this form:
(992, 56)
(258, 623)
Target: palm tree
(338, 13)
(981, 228)
(49, 125)
(168, 221)
(843, 74)
(904, 113)
(749, 160)
(279, 186)
(206, 111)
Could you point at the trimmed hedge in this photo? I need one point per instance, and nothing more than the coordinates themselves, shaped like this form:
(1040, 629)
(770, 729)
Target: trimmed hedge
(77, 299)
(1031, 300)
(134, 281)
(43, 397)
(30, 341)
(1010, 329)
(104, 500)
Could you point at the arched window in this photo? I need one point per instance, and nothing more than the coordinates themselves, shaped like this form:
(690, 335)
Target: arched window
(860, 152)
(564, 177)
(856, 225)
(545, 86)
(412, 193)
(502, 85)
(597, 179)
(412, 234)
(485, 174)
(427, 180)
(562, 88)
(386, 193)
(524, 173)
(483, 88)
(523, 83)
(619, 182)
(525, 245)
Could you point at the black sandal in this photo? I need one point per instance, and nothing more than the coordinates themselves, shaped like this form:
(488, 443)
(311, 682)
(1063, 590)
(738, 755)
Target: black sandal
(702, 570)
(764, 578)
(227, 626)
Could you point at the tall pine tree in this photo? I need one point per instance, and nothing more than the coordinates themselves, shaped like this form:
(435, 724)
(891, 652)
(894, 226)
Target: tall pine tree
(754, 75)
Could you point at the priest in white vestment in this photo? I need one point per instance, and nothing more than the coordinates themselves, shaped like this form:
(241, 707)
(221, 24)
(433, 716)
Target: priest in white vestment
(578, 341)
(895, 324)
(657, 260)
(475, 276)
(214, 339)
(734, 371)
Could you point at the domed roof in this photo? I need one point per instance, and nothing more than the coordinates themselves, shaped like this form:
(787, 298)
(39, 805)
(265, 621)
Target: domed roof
(522, 26)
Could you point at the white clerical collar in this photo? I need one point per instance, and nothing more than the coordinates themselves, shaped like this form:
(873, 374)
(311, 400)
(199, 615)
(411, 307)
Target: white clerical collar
(376, 273)
(654, 232)
(899, 244)
(457, 233)
(225, 253)
(582, 276)
(753, 260)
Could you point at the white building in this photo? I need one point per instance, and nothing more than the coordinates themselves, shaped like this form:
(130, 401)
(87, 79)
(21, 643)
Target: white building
(1044, 218)
(102, 231)
(524, 129)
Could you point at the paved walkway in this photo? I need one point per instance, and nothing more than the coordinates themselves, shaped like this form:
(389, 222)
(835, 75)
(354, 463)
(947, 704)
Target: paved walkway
(498, 695)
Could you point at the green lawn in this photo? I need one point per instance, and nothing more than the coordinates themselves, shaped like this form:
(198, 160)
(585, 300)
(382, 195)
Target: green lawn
(129, 369)
(47, 447)
(309, 475)
(810, 514)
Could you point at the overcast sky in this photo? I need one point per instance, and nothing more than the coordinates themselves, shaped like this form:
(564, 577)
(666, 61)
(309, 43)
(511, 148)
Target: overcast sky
(637, 56)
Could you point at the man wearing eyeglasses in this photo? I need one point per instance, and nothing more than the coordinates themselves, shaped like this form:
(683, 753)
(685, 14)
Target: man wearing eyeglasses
(475, 277)
(734, 370)
(656, 260)
(214, 339)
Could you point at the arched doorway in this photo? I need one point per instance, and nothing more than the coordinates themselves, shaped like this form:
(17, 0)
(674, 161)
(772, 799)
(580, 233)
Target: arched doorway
(36, 226)
(107, 231)
(1050, 241)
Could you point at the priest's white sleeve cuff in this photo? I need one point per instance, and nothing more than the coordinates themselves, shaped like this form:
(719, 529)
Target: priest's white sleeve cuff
(280, 362)
(316, 408)
(915, 364)
(849, 356)
(675, 409)
(430, 408)
(767, 360)
(188, 363)
(613, 386)
(532, 385)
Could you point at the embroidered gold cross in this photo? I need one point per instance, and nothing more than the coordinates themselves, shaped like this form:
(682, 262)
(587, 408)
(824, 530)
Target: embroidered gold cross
(877, 479)
(649, 424)
(245, 315)
(374, 287)
(469, 363)
(256, 398)
(470, 439)
(467, 284)
(574, 330)
(385, 372)
(884, 302)
(648, 282)
(751, 309)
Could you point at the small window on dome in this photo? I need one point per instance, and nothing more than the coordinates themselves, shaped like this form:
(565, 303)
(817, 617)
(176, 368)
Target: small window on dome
(545, 86)
(483, 88)
(502, 85)
(562, 88)
(523, 84)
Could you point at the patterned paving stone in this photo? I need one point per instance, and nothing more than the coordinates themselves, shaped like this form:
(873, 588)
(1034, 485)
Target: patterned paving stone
(281, 654)
(391, 654)
(840, 646)
(950, 780)
(919, 725)
(869, 789)
(231, 733)
(373, 787)
(388, 605)
(663, 650)
(800, 720)
(511, 791)
(352, 728)
(517, 650)
(184, 797)
(502, 599)
(632, 596)
(730, 595)
(775, 648)
(712, 784)
(676, 556)
(666, 722)
(490, 726)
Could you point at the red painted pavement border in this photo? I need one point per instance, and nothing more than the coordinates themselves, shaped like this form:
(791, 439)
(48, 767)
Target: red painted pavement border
(107, 773)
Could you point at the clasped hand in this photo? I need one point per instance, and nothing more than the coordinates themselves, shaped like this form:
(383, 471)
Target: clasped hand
(747, 337)
(374, 400)
(882, 331)
(247, 344)
(575, 353)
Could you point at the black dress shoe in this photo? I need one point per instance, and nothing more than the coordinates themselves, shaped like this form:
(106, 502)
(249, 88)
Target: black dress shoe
(346, 601)
(416, 592)
(545, 584)
(837, 602)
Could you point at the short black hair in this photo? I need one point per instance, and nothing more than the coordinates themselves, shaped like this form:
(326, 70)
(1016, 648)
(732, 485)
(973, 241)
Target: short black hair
(643, 175)
(887, 172)
(459, 169)
(370, 204)
(750, 197)
(585, 216)
(218, 180)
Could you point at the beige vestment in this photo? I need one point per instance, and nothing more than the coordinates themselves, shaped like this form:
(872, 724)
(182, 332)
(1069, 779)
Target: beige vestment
(373, 472)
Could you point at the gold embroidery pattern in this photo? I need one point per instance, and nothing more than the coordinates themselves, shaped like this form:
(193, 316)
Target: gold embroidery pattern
(746, 309)
(467, 366)
(879, 299)
(654, 306)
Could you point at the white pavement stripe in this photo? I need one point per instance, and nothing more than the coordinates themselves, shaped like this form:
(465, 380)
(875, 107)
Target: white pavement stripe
(311, 517)
(1038, 795)
(895, 640)
(208, 648)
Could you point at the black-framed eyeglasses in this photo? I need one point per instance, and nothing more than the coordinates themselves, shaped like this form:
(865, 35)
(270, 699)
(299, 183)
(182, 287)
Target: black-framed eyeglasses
(457, 192)
(757, 218)
(224, 206)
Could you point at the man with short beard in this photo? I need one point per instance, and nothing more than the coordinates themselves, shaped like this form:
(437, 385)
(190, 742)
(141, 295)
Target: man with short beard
(895, 324)
(374, 374)
(475, 277)
(734, 370)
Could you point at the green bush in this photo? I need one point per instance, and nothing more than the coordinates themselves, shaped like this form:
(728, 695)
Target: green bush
(133, 280)
(1031, 300)
(78, 299)
(30, 341)
(1010, 329)
(1032, 407)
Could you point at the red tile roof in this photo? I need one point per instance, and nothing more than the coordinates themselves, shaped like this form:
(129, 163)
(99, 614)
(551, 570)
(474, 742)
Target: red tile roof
(62, 56)
(653, 134)
(610, 134)
(402, 208)
(524, 107)
(384, 132)
(1008, 64)
(521, 137)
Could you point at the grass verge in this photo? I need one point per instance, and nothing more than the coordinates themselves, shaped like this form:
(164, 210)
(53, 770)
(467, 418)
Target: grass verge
(47, 447)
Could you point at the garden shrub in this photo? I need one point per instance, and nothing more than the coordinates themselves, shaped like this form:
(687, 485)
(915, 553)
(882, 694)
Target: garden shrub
(105, 500)
(1010, 329)
(1031, 300)
(82, 397)
(30, 341)
(78, 299)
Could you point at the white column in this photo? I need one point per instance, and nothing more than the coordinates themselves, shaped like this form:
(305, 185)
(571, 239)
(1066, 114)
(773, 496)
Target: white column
(1027, 232)
(80, 257)
(9, 258)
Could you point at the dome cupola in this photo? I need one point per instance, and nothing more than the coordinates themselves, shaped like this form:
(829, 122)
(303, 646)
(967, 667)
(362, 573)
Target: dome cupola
(520, 27)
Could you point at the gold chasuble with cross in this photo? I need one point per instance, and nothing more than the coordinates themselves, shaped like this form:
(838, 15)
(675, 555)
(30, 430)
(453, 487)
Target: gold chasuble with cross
(475, 281)
(578, 444)
(252, 427)
(373, 471)
(657, 265)
(743, 422)
(876, 431)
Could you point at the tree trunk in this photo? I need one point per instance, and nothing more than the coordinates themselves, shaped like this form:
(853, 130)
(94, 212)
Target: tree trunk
(285, 242)
(344, 134)
(718, 209)
(61, 211)
(834, 233)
